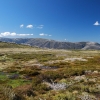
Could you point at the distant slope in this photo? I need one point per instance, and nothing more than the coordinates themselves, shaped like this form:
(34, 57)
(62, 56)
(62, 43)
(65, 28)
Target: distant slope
(45, 43)
(12, 45)
(92, 45)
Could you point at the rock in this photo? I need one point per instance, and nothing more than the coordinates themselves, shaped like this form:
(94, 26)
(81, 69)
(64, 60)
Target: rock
(79, 78)
(92, 80)
(88, 72)
(95, 72)
(75, 92)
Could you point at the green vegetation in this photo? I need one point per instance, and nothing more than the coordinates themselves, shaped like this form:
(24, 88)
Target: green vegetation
(12, 45)
(38, 74)
(17, 82)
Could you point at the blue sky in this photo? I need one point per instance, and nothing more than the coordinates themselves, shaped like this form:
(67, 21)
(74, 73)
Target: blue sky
(63, 20)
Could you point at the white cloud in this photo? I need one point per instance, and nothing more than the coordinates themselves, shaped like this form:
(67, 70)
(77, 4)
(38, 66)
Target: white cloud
(22, 25)
(42, 34)
(29, 26)
(96, 23)
(65, 39)
(24, 34)
(5, 34)
(40, 26)
(13, 34)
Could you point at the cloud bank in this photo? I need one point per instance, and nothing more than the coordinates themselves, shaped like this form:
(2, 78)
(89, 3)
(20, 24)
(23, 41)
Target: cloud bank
(5, 34)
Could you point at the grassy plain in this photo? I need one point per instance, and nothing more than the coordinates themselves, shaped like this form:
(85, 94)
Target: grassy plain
(49, 74)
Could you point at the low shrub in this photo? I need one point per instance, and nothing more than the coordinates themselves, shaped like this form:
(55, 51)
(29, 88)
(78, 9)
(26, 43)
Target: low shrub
(67, 96)
(29, 72)
(48, 75)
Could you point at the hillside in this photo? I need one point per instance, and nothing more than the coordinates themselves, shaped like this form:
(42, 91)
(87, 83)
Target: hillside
(45, 43)
(12, 45)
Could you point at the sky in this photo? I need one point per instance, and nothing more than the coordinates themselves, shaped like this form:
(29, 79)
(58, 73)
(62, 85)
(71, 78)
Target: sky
(61, 20)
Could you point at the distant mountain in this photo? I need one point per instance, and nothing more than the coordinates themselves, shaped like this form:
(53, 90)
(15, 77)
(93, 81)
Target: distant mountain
(46, 43)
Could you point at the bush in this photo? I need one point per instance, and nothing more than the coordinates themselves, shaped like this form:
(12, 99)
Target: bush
(39, 86)
(67, 96)
(9, 94)
(36, 81)
(48, 75)
(11, 70)
(30, 72)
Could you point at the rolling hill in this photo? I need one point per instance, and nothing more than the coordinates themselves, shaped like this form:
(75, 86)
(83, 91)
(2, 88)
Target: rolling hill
(12, 45)
(52, 44)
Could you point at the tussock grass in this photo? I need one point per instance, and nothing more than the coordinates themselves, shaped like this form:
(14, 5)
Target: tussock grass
(35, 67)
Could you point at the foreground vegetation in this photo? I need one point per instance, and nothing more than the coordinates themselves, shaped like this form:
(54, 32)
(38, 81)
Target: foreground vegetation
(46, 74)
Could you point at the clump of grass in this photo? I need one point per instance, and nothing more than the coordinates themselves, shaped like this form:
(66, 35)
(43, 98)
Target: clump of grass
(67, 96)
(48, 75)
(26, 57)
(8, 93)
(38, 85)
(17, 82)
(29, 72)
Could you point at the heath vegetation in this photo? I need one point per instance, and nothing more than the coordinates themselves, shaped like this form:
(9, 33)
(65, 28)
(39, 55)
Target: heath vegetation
(46, 74)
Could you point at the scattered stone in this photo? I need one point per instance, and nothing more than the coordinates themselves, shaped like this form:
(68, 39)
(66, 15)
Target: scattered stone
(95, 72)
(58, 86)
(88, 72)
(86, 96)
(89, 57)
(75, 92)
(92, 80)
(74, 59)
(79, 78)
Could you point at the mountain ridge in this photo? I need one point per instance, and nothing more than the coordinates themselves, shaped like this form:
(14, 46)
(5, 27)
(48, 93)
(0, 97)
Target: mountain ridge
(53, 44)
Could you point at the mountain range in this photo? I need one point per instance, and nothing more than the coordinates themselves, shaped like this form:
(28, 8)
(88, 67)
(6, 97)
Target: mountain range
(52, 44)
